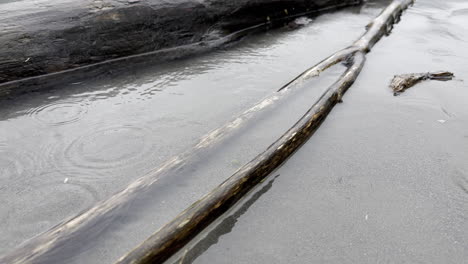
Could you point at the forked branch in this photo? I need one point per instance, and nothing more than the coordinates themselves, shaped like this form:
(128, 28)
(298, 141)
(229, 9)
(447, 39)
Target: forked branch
(188, 224)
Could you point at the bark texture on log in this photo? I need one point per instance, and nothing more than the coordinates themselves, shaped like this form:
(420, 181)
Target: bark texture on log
(43, 37)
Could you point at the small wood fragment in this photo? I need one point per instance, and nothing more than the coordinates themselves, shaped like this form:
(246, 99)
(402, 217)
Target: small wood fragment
(401, 83)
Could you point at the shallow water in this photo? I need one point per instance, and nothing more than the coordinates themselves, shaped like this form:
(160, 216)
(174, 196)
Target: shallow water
(381, 180)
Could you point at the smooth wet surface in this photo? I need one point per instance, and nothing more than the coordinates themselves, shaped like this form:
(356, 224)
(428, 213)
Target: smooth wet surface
(384, 179)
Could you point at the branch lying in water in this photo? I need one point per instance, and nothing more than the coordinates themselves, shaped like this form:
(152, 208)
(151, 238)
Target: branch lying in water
(401, 83)
(181, 230)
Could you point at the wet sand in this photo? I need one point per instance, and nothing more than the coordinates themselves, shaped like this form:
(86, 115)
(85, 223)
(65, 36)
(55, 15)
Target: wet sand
(382, 179)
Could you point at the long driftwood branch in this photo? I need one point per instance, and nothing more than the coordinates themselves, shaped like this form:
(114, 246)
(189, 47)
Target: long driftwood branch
(176, 234)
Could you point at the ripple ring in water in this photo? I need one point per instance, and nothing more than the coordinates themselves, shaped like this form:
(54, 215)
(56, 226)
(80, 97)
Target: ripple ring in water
(112, 147)
(59, 113)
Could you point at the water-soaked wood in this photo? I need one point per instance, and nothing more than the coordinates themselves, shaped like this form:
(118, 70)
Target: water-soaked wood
(188, 224)
(400, 83)
(118, 65)
(218, 35)
(45, 37)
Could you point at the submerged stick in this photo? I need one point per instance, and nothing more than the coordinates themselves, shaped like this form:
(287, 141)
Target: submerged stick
(187, 225)
(401, 83)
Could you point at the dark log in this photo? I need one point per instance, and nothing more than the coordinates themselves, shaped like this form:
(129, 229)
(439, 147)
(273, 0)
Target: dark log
(188, 224)
(39, 38)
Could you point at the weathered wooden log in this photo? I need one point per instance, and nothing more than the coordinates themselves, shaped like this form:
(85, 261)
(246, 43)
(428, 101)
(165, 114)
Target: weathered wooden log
(181, 230)
(39, 38)
(400, 83)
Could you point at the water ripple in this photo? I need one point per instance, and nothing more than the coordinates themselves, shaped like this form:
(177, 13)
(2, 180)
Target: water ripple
(112, 147)
(59, 113)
